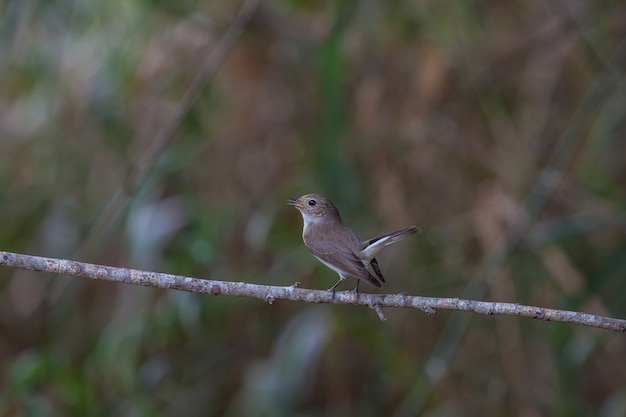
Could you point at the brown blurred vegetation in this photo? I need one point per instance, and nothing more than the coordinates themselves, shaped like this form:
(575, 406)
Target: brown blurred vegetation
(498, 127)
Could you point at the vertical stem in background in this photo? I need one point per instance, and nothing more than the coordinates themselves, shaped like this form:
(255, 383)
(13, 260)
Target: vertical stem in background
(331, 163)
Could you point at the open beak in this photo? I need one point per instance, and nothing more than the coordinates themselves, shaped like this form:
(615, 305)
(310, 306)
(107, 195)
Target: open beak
(295, 203)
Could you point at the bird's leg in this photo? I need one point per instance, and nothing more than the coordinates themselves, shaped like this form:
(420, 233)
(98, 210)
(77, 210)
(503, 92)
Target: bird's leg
(356, 289)
(341, 278)
(335, 286)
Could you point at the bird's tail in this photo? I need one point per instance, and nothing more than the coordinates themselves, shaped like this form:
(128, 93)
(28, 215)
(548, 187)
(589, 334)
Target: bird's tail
(393, 237)
(372, 246)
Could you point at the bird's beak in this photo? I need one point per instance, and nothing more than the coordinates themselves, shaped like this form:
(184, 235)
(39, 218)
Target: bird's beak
(295, 203)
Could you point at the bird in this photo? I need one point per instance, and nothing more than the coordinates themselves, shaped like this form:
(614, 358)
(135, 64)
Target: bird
(337, 246)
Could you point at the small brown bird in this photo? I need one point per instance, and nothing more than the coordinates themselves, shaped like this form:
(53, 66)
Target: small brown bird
(337, 246)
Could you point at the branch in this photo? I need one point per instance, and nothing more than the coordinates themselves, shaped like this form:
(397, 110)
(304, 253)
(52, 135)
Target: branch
(271, 294)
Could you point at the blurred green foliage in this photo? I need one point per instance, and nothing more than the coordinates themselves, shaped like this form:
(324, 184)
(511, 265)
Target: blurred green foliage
(498, 127)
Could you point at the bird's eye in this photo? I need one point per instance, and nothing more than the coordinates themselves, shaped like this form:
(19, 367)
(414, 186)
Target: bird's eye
(312, 203)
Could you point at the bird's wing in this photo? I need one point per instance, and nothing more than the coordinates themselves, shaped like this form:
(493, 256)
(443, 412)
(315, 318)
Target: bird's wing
(376, 268)
(342, 259)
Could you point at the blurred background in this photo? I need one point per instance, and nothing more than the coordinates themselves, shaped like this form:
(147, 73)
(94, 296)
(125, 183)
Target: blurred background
(167, 135)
